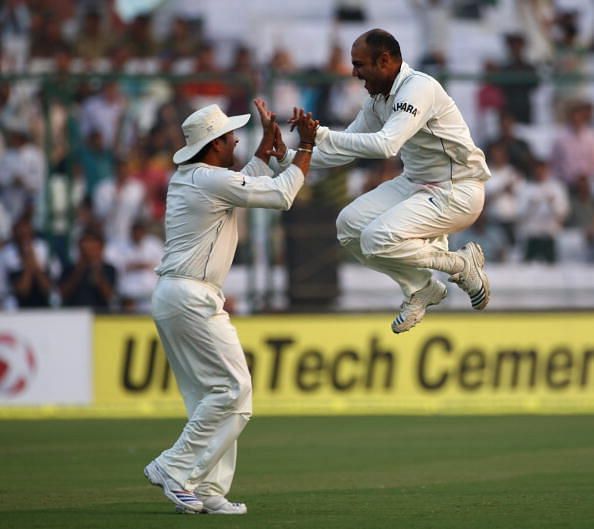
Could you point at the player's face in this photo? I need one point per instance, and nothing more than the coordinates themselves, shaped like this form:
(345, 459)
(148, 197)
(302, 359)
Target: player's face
(228, 142)
(377, 79)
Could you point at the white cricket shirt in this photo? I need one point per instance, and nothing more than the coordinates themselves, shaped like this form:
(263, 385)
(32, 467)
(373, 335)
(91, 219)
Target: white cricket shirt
(420, 121)
(201, 220)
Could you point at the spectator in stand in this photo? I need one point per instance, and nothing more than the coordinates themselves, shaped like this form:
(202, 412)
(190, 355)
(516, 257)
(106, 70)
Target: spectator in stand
(490, 236)
(171, 114)
(94, 40)
(182, 40)
(569, 64)
(46, 35)
(434, 18)
(573, 149)
(490, 101)
(582, 213)
(211, 89)
(285, 92)
(84, 219)
(65, 192)
(535, 18)
(103, 112)
(22, 172)
(338, 101)
(18, 108)
(5, 229)
(154, 172)
(518, 151)
(5, 226)
(26, 261)
(90, 281)
(241, 93)
(138, 38)
(15, 25)
(544, 206)
(136, 258)
(96, 161)
(117, 202)
(522, 80)
(60, 97)
(501, 192)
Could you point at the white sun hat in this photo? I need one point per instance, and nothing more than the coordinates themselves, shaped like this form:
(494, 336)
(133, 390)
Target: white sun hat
(203, 126)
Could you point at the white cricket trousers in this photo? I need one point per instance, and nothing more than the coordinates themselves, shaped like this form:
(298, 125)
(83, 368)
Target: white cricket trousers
(209, 365)
(400, 228)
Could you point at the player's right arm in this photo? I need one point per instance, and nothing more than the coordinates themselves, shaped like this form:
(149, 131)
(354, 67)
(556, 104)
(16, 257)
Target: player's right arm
(365, 121)
(240, 189)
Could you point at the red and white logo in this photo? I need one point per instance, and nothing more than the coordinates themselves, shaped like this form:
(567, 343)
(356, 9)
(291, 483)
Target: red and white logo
(17, 364)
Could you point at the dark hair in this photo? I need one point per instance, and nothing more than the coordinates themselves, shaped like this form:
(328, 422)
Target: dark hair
(199, 156)
(93, 232)
(380, 41)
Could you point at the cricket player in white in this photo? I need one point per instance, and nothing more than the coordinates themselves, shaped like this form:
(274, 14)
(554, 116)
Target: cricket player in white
(400, 228)
(201, 344)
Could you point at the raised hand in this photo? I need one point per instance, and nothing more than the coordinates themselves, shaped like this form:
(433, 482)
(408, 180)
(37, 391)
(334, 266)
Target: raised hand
(306, 125)
(293, 120)
(267, 117)
(279, 148)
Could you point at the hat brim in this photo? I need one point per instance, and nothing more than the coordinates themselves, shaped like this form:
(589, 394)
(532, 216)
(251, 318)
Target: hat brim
(187, 152)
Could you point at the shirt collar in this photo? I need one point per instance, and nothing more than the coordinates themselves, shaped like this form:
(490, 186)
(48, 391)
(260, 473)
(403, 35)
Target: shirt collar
(190, 166)
(405, 71)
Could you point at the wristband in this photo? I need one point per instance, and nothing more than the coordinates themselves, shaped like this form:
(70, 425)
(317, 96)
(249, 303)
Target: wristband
(301, 149)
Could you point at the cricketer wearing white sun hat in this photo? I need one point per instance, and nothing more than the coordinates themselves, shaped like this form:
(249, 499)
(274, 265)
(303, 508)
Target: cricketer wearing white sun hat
(201, 344)
(203, 126)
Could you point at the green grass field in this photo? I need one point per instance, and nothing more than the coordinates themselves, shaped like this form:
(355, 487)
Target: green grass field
(339, 472)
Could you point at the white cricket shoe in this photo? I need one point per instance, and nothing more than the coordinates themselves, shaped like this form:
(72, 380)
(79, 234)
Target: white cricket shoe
(413, 310)
(472, 279)
(183, 499)
(221, 505)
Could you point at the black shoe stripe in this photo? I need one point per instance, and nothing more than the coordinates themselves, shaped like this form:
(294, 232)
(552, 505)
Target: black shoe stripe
(477, 302)
(480, 297)
(481, 293)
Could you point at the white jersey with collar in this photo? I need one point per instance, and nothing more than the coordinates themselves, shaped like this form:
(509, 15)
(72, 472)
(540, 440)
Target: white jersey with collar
(420, 121)
(201, 220)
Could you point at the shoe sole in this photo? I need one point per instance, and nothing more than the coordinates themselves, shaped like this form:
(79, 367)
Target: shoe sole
(418, 319)
(481, 299)
(172, 497)
(184, 510)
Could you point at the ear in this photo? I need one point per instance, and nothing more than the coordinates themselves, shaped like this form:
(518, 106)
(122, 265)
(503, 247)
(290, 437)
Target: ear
(216, 144)
(384, 60)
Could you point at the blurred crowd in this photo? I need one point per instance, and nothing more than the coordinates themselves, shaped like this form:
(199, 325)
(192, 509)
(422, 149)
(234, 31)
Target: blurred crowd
(90, 114)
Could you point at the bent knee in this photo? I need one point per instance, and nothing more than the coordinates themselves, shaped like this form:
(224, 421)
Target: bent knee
(347, 225)
(376, 241)
(242, 392)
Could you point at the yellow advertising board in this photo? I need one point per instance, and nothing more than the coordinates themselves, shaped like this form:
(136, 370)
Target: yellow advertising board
(353, 364)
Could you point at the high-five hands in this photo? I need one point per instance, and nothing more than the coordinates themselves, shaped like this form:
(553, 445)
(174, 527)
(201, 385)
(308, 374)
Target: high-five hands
(306, 125)
(299, 113)
(272, 137)
(267, 117)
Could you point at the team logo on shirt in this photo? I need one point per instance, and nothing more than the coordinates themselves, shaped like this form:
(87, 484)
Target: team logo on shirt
(405, 107)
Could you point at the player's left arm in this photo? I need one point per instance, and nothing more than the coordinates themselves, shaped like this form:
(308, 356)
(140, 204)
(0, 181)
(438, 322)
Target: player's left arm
(413, 107)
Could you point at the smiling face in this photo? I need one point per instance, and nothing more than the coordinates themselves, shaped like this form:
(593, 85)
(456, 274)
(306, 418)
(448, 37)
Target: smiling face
(378, 73)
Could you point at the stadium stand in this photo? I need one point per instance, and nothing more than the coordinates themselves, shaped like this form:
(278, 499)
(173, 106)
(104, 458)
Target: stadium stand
(91, 98)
